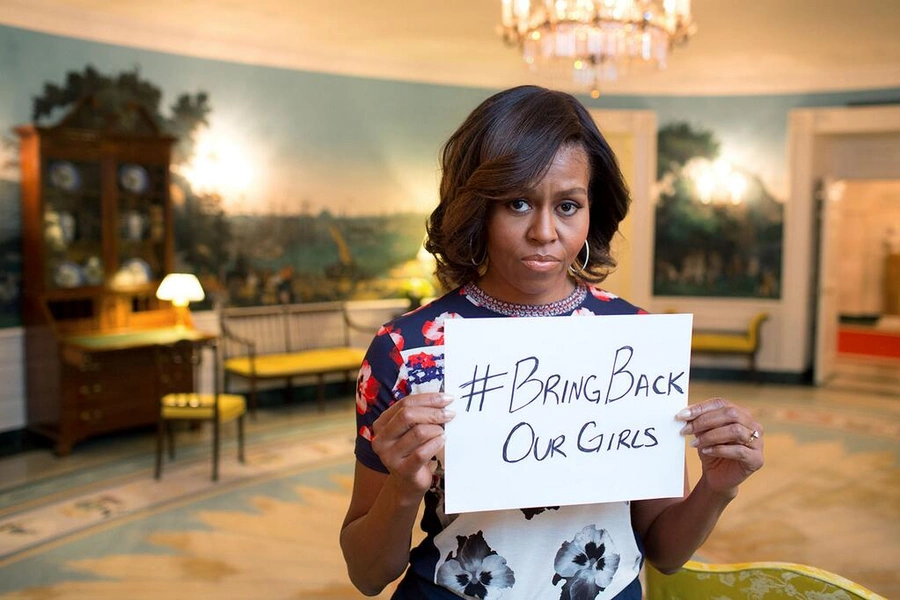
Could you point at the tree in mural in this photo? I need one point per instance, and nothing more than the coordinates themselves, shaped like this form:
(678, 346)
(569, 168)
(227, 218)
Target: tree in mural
(201, 228)
(709, 245)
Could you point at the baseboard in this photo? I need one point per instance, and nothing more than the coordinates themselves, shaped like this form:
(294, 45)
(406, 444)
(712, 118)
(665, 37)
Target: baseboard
(17, 440)
(299, 394)
(743, 375)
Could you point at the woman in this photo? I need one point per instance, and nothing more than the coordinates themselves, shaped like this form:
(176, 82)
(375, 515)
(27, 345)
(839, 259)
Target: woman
(530, 198)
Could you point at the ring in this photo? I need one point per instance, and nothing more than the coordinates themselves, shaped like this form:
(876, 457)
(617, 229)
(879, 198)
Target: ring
(753, 436)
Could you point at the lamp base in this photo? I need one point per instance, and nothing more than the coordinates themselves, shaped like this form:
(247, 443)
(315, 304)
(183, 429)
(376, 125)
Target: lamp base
(181, 316)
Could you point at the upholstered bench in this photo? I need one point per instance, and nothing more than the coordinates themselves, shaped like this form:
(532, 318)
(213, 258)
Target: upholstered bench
(288, 342)
(746, 342)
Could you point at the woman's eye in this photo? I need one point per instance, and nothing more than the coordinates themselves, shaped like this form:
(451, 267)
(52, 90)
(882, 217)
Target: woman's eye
(569, 208)
(519, 205)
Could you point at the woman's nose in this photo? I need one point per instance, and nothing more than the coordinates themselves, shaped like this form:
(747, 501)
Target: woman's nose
(543, 227)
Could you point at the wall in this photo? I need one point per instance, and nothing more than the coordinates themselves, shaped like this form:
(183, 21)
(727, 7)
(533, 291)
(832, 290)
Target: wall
(351, 145)
(870, 208)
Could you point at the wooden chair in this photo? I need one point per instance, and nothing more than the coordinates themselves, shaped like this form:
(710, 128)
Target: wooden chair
(752, 581)
(179, 366)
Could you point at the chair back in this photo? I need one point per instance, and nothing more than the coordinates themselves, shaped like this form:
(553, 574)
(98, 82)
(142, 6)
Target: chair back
(180, 366)
(752, 581)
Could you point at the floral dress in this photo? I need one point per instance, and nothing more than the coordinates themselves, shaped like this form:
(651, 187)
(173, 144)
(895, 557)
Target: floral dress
(570, 552)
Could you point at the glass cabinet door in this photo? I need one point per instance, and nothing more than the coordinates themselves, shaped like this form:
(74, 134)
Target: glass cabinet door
(72, 224)
(141, 227)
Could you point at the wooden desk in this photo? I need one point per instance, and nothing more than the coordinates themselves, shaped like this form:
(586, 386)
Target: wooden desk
(104, 382)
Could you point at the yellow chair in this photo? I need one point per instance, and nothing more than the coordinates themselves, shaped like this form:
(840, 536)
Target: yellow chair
(752, 581)
(178, 368)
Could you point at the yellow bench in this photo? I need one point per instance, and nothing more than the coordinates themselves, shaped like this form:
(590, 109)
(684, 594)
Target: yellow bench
(288, 342)
(732, 342)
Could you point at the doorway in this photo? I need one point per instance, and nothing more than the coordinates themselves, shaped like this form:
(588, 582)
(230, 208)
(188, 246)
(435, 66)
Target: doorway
(845, 165)
(859, 223)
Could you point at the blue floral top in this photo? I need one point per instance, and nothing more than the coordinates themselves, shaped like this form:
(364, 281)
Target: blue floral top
(575, 552)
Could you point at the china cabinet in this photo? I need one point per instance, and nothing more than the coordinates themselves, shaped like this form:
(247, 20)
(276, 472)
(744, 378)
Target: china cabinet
(97, 240)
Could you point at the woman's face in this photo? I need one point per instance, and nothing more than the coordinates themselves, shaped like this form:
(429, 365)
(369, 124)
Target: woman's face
(532, 240)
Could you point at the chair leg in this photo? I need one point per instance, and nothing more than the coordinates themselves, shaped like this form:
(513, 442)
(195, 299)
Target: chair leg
(215, 452)
(253, 398)
(160, 435)
(320, 393)
(170, 439)
(240, 428)
(288, 391)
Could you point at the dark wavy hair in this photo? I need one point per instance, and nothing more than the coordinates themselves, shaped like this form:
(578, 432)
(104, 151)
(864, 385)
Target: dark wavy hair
(505, 146)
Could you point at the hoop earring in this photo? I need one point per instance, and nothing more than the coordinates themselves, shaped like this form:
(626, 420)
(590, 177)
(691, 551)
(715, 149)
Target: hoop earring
(587, 257)
(472, 256)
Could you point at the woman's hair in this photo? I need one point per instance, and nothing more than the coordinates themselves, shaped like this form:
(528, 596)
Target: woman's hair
(504, 147)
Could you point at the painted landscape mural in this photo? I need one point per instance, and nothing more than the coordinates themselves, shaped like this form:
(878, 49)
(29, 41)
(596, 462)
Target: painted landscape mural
(718, 230)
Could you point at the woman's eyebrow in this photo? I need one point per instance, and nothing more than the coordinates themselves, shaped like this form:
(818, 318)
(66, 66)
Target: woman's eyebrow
(570, 191)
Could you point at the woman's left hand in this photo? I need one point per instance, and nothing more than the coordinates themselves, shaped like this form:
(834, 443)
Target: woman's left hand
(728, 440)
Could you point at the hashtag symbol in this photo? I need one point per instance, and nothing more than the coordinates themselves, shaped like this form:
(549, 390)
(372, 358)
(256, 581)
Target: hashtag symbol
(484, 387)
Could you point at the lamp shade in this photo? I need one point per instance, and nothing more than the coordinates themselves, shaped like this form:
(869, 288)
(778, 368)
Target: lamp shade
(180, 289)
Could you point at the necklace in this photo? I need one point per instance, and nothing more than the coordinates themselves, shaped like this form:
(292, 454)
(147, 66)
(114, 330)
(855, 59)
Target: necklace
(510, 309)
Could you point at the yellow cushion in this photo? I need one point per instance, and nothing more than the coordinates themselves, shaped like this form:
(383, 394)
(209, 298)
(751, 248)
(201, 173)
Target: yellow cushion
(292, 364)
(200, 406)
(721, 342)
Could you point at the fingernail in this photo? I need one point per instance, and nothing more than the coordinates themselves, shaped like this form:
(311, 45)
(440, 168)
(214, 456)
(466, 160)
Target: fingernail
(447, 398)
(449, 414)
(684, 413)
(695, 442)
(686, 429)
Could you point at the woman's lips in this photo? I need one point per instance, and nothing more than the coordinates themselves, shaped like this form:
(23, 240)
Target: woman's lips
(540, 262)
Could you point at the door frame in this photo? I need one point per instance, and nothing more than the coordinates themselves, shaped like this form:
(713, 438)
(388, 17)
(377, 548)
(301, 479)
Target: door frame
(809, 131)
(635, 250)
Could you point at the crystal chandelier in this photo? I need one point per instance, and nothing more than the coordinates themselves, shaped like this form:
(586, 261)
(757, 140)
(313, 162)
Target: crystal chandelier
(598, 38)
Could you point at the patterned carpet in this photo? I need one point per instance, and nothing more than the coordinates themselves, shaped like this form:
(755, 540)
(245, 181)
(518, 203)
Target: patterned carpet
(828, 496)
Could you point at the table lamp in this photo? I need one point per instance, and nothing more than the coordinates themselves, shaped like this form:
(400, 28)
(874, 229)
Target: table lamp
(180, 289)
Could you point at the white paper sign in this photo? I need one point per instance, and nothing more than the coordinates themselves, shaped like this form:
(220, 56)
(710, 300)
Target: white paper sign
(553, 411)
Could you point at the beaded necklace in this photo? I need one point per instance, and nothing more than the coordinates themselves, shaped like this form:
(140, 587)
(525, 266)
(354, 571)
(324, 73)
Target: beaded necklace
(509, 309)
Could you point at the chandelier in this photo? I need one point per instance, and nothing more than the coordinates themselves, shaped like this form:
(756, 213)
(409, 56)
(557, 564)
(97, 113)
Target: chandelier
(599, 39)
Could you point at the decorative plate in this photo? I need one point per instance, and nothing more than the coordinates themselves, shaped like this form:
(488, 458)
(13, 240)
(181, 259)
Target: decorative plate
(65, 176)
(135, 271)
(68, 275)
(134, 178)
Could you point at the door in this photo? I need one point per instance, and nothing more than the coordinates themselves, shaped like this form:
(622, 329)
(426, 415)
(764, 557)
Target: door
(830, 201)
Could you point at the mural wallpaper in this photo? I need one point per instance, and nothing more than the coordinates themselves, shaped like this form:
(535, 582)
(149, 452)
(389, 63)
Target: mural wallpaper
(718, 230)
(301, 186)
(296, 255)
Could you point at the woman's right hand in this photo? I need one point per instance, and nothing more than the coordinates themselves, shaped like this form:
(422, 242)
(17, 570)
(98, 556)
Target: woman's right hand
(407, 435)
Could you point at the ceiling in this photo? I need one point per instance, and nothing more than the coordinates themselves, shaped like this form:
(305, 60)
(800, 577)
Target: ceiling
(741, 47)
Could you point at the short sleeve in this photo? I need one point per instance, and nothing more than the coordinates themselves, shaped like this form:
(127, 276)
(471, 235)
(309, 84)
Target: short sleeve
(378, 377)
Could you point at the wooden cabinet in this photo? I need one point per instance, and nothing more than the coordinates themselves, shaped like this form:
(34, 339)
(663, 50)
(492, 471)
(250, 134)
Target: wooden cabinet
(97, 240)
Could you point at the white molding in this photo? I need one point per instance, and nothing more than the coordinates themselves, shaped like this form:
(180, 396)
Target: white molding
(854, 120)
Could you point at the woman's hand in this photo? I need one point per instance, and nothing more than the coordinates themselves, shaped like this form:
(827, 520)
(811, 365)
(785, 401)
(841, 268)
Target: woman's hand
(408, 435)
(728, 441)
